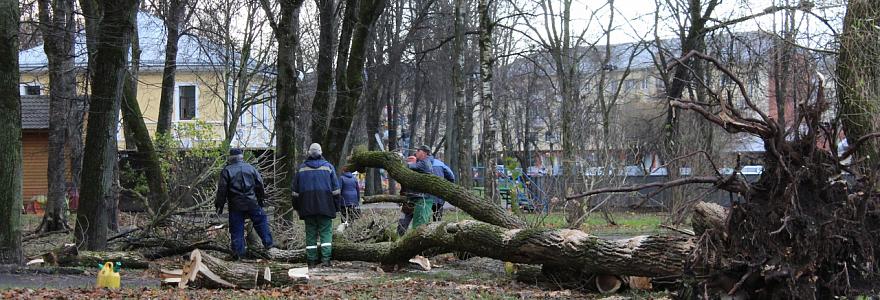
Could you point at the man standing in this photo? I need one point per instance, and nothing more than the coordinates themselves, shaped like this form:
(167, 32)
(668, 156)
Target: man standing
(440, 169)
(351, 196)
(421, 212)
(316, 198)
(241, 185)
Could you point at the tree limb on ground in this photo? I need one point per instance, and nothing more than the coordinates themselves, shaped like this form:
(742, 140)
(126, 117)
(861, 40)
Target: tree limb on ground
(638, 256)
(385, 199)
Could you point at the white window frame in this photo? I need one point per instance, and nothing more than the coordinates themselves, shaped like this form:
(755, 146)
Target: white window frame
(23, 86)
(177, 86)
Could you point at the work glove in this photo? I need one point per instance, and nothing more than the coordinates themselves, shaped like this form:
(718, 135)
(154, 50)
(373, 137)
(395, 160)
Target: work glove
(219, 209)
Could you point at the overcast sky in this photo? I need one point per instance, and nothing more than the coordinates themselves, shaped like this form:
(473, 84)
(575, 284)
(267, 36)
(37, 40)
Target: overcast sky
(634, 18)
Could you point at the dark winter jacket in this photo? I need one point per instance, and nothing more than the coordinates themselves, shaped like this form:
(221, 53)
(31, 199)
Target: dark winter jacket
(351, 194)
(440, 169)
(241, 185)
(421, 166)
(315, 189)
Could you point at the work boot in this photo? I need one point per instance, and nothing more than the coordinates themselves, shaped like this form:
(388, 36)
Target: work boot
(313, 264)
(326, 264)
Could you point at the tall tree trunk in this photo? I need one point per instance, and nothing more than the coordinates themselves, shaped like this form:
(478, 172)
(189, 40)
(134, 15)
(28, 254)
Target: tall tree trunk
(352, 83)
(133, 123)
(463, 112)
(92, 13)
(78, 110)
(57, 26)
(286, 93)
(321, 101)
(10, 134)
(114, 33)
(487, 138)
(859, 85)
(174, 12)
(393, 106)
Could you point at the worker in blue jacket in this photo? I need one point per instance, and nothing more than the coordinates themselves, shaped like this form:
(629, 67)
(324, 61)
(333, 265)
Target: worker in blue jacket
(316, 198)
(351, 196)
(241, 186)
(439, 169)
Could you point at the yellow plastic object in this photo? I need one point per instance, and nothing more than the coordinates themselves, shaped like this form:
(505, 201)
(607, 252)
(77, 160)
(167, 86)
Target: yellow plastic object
(108, 277)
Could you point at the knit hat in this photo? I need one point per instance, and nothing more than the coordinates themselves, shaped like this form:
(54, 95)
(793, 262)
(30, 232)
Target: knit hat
(235, 151)
(315, 150)
(424, 148)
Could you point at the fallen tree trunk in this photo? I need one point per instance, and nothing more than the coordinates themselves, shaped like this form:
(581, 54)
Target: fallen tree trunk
(385, 199)
(69, 256)
(638, 256)
(206, 271)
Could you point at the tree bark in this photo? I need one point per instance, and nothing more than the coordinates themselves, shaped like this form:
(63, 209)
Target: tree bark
(173, 12)
(286, 92)
(858, 85)
(69, 256)
(114, 33)
(10, 134)
(321, 100)
(487, 138)
(133, 123)
(477, 207)
(463, 112)
(57, 26)
(351, 84)
(638, 256)
(385, 199)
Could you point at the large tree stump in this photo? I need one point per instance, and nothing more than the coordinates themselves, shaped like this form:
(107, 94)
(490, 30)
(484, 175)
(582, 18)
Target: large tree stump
(206, 271)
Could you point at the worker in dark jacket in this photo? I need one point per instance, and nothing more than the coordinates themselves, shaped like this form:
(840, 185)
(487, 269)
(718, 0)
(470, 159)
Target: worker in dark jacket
(316, 198)
(439, 169)
(241, 186)
(420, 203)
(351, 196)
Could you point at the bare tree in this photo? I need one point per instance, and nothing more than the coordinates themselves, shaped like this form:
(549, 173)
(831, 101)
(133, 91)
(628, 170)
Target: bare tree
(10, 133)
(858, 85)
(112, 44)
(133, 124)
(239, 60)
(327, 11)
(284, 24)
(175, 14)
(356, 29)
(58, 27)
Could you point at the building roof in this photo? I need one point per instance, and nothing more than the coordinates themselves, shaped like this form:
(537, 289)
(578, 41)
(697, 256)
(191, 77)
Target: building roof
(152, 37)
(35, 112)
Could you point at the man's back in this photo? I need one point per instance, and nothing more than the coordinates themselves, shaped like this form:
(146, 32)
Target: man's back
(314, 186)
(243, 186)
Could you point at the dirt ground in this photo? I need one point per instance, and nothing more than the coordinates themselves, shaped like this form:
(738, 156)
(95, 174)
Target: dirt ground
(475, 278)
(451, 278)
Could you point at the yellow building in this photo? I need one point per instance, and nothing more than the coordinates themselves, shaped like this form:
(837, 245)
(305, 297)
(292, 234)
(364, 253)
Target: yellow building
(201, 91)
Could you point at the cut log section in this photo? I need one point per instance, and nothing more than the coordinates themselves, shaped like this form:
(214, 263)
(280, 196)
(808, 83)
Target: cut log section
(205, 271)
(607, 284)
(422, 262)
(69, 256)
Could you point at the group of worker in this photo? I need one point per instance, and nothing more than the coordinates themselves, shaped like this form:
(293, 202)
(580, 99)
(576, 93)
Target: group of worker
(318, 194)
